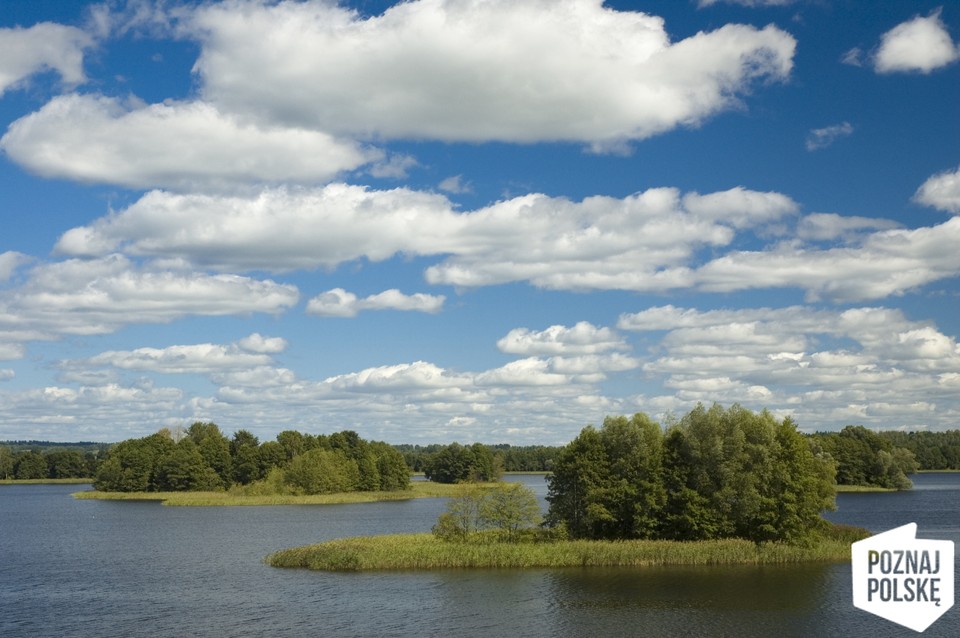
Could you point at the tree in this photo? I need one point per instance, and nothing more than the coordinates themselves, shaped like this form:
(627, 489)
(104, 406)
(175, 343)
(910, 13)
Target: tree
(214, 447)
(507, 509)
(715, 474)
(67, 464)
(608, 483)
(455, 463)
(31, 465)
(131, 465)
(6, 463)
(184, 469)
(510, 508)
(322, 471)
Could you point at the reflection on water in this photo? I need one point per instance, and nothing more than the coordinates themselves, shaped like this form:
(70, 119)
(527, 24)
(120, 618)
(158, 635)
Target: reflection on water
(93, 568)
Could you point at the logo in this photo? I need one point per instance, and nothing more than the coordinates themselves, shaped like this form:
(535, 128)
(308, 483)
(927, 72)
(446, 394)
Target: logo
(904, 579)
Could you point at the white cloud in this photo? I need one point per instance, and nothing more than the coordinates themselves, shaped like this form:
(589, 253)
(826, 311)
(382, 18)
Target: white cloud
(819, 138)
(830, 226)
(781, 358)
(6, 374)
(180, 145)
(650, 241)
(263, 345)
(941, 191)
(340, 303)
(9, 262)
(554, 242)
(204, 358)
(582, 339)
(921, 44)
(42, 47)
(84, 297)
(748, 3)
(610, 75)
(456, 185)
(889, 262)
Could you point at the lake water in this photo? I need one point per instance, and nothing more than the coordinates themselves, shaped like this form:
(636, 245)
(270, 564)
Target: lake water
(101, 568)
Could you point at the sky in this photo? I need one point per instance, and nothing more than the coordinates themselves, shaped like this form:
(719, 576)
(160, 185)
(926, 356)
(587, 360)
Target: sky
(476, 220)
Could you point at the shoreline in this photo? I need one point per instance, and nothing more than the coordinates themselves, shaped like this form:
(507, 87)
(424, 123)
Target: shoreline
(418, 489)
(424, 551)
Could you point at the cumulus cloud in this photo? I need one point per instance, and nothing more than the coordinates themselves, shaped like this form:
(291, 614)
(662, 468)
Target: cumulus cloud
(782, 358)
(650, 241)
(819, 138)
(922, 44)
(340, 303)
(98, 296)
(9, 262)
(748, 3)
(940, 191)
(889, 262)
(611, 75)
(582, 339)
(42, 47)
(263, 345)
(179, 145)
(600, 242)
(830, 226)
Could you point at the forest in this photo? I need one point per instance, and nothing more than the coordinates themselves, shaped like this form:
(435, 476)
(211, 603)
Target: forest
(211, 460)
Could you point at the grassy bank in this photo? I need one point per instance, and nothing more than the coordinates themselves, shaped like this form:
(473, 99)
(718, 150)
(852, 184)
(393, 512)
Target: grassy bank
(68, 481)
(862, 488)
(419, 489)
(424, 551)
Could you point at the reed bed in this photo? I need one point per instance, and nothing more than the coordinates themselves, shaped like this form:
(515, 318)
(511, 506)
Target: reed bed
(424, 552)
(46, 481)
(236, 497)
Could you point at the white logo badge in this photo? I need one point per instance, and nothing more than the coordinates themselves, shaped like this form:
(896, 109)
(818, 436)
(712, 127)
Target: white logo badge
(904, 579)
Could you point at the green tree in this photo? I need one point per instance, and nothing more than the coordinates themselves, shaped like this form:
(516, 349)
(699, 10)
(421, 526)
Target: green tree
(31, 465)
(131, 465)
(184, 469)
(214, 447)
(715, 474)
(455, 463)
(608, 483)
(6, 463)
(67, 464)
(322, 471)
(510, 508)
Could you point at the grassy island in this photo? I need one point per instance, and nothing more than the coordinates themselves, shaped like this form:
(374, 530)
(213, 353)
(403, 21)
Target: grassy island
(426, 551)
(419, 489)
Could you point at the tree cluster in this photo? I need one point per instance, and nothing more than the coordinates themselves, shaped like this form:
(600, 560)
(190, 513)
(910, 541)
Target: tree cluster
(932, 450)
(506, 511)
(715, 473)
(54, 463)
(457, 463)
(864, 457)
(512, 458)
(203, 458)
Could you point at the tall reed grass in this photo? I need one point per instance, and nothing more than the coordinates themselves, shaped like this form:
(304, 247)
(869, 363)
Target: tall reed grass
(239, 496)
(425, 551)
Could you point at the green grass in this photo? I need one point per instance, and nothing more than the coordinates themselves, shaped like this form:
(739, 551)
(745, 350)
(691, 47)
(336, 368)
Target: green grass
(419, 489)
(424, 551)
(67, 481)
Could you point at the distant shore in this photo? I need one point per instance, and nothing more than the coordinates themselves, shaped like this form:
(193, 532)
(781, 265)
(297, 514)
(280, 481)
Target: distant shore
(418, 489)
(424, 551)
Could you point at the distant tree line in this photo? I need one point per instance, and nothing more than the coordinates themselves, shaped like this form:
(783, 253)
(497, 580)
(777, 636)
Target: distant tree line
(45, 461)
(715, 473)
(203, 458)
(864, 457)
(509, 458)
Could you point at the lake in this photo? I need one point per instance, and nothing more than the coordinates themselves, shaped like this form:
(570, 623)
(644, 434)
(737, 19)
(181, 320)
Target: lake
(102, 568)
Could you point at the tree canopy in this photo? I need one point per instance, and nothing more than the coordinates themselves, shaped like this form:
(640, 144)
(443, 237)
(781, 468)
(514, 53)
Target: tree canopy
(715, 473)
(205, 459)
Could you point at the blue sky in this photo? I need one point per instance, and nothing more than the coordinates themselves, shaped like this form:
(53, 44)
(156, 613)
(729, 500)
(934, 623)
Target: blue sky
(476, 220)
